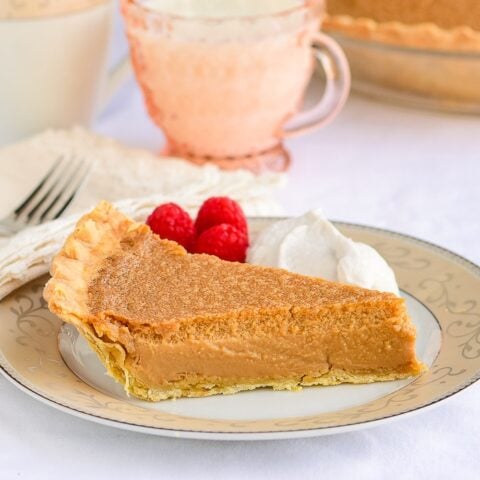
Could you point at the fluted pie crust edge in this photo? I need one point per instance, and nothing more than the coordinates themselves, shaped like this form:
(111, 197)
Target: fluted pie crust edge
(419, 36)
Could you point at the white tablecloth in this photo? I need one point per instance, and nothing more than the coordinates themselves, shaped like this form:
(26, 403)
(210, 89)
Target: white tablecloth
(415, 172)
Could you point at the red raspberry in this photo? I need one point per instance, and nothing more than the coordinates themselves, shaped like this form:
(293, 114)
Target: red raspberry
(225, 241)
(171, 222)
(217, 210)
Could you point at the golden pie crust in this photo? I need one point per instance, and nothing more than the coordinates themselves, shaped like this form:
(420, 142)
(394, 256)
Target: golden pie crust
(441, 24)
(168, 324)
(423, 53)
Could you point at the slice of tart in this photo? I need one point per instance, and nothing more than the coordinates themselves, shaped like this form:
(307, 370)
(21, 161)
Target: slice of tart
(170, 324)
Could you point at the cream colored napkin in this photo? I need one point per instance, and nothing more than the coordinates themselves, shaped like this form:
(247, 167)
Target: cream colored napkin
(117, 173)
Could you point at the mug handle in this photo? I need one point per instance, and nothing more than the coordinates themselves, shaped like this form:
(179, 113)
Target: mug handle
(331, 58)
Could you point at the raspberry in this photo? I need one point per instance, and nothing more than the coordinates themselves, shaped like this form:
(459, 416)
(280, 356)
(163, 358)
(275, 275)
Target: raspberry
(217, 210)
(225, 241)
(171, 222)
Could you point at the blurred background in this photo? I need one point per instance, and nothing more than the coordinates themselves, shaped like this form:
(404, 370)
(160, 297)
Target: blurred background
(403, 153)
(399, 167)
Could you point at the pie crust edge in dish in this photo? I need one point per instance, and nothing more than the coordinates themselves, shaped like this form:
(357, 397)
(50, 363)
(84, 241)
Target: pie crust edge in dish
(95, 237)
(420, 35)
(420, 65)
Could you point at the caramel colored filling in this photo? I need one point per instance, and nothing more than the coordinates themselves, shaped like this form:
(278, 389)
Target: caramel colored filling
(276, 352)
(241, 322)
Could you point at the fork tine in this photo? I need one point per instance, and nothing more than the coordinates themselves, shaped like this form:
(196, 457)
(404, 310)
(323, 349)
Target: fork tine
(58, 182)
(19, 210)
(56, 195)
(65, 197)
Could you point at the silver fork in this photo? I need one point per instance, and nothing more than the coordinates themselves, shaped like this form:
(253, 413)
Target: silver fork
(49, 198)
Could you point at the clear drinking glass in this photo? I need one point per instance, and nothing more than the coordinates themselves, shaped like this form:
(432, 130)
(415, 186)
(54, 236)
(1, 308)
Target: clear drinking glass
(224, 80)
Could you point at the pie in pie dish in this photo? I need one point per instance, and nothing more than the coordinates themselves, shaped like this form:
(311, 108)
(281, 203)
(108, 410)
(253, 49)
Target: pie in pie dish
(423, 52)
(170, 324)
(451, 25)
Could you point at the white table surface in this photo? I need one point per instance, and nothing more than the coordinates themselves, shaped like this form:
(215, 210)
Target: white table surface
(411, 171)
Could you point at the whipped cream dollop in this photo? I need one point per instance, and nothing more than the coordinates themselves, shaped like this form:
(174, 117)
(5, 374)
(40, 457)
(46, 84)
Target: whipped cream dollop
(311, 245)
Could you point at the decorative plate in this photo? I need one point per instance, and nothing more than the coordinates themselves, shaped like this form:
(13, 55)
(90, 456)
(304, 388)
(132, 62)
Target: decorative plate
(54, 364)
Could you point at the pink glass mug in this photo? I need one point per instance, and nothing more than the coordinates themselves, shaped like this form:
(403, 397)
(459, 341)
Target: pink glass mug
(225, 85)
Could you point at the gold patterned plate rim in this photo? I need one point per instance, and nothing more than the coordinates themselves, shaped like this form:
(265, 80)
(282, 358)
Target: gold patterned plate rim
(442, 282)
